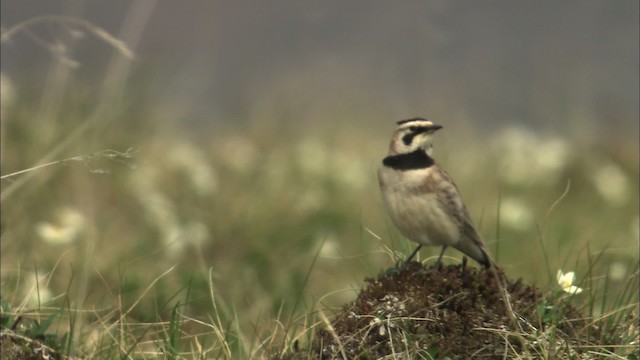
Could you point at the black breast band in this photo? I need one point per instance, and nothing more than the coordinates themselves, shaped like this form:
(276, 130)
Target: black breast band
(411, 161)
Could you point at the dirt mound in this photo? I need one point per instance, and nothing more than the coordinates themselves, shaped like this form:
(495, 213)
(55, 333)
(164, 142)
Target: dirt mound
(18, 347)
(455, 311)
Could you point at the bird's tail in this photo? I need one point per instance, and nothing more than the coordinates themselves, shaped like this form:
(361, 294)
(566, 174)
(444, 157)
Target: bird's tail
(473, 246)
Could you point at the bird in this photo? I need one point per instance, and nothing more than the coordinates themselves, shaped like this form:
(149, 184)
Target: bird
(421, 199)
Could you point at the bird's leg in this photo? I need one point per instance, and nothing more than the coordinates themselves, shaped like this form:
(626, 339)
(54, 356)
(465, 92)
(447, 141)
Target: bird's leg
(439, 262)
(412, 255)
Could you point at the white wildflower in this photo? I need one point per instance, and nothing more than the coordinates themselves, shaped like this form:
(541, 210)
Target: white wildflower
(528, 158)
(68, 225)
(191, 160)
(551, 156)
(172, 239)
(617, 271)
(178, 238)
(330, 244)
(612, 183)
(35, 290)
(566, 282)
(160, 209)
(351, 170)
(515, 214)
(162, 212)
(196, 233)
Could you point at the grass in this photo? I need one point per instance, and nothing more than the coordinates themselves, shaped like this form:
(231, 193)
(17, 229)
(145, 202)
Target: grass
(246, 241)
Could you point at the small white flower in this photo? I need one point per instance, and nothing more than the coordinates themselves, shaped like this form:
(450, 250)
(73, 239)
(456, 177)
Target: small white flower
(516, 214)
(35, 290)
(350, 170)
(70, 223)
(189, 159)
(330, 245)
(566, 282)
(617, 271)
(178, 238)
(612, 183)
(530, 158)
(196, 233)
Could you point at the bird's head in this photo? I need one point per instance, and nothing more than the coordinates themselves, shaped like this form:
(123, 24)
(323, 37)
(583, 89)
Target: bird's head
(413, 134)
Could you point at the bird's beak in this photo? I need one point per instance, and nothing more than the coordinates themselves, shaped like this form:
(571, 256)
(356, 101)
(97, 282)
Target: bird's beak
(435, 127)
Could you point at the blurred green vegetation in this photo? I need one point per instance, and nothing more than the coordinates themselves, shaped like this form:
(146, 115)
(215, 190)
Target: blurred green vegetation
(250, 203)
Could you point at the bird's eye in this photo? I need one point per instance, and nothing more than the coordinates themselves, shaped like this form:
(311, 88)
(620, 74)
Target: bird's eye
(413, 128)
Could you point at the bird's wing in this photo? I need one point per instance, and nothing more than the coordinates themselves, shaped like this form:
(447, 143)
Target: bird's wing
(470, 243)
(451, 200)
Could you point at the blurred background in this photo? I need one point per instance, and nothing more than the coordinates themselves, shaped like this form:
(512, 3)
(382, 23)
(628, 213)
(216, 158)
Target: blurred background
(257, 128)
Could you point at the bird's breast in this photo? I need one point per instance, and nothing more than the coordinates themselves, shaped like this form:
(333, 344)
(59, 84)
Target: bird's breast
(411, 199)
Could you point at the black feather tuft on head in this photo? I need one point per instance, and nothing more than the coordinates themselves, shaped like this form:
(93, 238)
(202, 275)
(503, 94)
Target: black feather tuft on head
(410, 120)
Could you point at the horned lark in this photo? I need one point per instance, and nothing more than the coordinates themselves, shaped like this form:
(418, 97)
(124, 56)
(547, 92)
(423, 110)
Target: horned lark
(422, 199)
